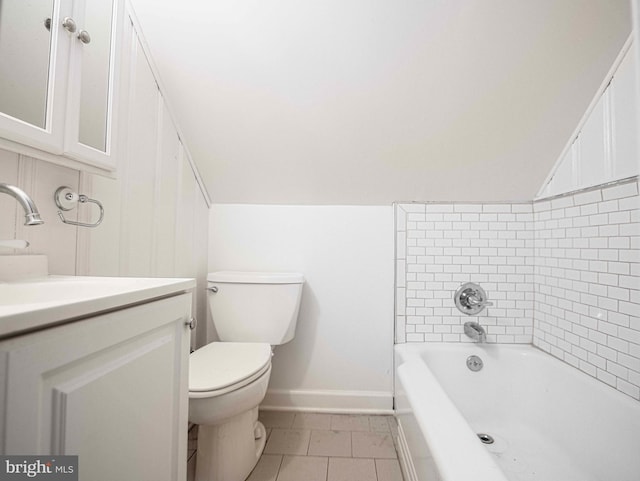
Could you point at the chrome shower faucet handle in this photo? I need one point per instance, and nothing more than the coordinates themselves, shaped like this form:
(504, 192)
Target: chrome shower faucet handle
(470, 298)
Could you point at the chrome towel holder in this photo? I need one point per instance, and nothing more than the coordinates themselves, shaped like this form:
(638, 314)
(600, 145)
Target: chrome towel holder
(66, 199)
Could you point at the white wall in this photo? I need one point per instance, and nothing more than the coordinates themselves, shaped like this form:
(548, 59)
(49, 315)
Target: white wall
(341, 357)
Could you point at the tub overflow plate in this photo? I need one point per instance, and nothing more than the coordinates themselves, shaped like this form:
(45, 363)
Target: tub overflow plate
(474, 363)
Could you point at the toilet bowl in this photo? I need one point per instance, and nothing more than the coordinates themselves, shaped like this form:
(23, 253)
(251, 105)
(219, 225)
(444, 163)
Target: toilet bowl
(228, 379)
(238, 381)
(224, 402)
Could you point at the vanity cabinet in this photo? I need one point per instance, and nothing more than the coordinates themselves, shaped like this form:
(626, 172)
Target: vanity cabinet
(112, 389)
(58, 77)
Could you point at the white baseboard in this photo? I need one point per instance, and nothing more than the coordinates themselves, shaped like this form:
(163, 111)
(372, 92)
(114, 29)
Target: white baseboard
(404, 457)
(372, 402)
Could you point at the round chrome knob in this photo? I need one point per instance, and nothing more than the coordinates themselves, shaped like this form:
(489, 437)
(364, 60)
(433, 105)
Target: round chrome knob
(84, 36)
(69, 24)
(192, 323)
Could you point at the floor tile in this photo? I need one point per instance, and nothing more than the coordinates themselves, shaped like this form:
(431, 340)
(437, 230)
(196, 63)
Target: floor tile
(288, 441)
(349, 469)
(303, 468)
(267, 468)
(379, 423)
(276, 419)
(372, 445)
(349, 422)
(312, 421)
(330, 443)
(388, 470)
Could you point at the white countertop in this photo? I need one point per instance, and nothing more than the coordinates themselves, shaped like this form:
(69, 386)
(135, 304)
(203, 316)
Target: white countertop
(38, 302)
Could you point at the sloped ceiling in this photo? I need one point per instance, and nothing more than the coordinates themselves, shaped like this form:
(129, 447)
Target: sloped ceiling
(370, 102)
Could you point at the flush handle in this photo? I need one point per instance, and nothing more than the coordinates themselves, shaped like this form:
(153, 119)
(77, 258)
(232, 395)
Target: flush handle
(213, 289)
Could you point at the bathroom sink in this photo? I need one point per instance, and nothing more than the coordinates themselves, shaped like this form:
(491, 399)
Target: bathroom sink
(37, 302)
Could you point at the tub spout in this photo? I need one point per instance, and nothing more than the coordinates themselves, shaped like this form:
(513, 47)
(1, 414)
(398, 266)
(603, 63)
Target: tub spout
(475, 331)
(32, 216)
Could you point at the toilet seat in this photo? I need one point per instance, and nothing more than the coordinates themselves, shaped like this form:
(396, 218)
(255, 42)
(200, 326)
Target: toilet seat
(222, 367)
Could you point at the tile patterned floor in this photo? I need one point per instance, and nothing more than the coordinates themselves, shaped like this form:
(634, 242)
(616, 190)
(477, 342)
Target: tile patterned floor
(324, 447)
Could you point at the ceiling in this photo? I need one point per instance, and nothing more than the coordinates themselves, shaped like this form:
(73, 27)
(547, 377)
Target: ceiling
(371, 102)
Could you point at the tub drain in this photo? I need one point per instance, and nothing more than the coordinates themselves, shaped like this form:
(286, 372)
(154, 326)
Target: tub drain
(485, 438)
(474, 363)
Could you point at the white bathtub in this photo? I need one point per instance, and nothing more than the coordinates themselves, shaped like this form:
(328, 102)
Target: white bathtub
(550, 422)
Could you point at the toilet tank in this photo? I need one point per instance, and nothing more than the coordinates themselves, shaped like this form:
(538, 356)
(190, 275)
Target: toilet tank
(255, 306)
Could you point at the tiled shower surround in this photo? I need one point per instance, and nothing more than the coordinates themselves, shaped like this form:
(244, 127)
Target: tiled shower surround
(587, 300)
(563, 273)
(440, 246)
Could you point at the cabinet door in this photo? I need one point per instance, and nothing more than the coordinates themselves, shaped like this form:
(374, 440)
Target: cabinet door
(111, 389)
(90, 132)
(34, 52)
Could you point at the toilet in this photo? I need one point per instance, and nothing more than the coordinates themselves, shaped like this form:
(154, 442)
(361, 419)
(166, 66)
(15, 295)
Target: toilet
(228, 379)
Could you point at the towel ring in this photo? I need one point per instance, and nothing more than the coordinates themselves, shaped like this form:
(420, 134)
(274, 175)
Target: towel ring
(66, 199)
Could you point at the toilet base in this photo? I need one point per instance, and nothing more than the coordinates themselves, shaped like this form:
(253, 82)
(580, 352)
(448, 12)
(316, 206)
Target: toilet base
(230, 451)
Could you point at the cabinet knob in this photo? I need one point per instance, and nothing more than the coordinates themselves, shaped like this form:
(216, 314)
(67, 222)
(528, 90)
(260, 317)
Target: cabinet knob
(84, 36)
(192, 323)
(69, 24)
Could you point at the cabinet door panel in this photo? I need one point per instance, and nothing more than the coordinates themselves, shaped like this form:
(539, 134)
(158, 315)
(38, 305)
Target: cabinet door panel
(92, 107)
(24, 83)
(34, 61)
(111, 389)
(94, 83)
(139, 414)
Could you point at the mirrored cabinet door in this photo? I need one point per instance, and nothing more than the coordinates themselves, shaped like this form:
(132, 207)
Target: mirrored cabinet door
(94, 83)
(33, 78)
(25, 26)
(90, 131)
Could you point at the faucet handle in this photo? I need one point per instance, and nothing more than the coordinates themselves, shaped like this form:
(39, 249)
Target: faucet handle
(470, 298)
(474, 299)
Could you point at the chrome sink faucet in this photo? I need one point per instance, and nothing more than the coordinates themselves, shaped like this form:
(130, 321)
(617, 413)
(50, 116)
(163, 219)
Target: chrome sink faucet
(475, 331)
(32, 216)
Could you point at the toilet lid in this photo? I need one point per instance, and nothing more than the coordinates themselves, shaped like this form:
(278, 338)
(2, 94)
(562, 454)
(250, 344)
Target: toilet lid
(221, 364)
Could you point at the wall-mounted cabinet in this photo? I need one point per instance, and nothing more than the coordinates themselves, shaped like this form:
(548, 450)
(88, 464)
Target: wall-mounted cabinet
(58, 84)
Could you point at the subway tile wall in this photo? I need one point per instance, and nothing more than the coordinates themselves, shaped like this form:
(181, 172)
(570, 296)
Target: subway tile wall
(587, 282)
(564, 274)
(442, 245)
